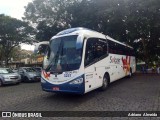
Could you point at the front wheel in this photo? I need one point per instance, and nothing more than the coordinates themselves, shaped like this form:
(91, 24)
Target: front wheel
(105, 82)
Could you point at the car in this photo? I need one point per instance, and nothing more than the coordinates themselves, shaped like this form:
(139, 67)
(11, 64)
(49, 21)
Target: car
(39, 69)
(29, 74)
(15, 70)
(7, 76)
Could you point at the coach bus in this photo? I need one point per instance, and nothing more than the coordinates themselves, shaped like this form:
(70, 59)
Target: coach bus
(79, 60)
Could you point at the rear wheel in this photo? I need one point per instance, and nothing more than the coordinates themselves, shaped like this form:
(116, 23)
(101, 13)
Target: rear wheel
(105, 82)
(130, 73)
(1, 83)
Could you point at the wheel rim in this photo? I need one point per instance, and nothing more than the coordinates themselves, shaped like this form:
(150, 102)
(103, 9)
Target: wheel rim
(105, 82)
(130, 73)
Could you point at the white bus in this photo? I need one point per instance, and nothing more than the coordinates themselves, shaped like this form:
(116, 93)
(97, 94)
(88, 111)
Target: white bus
(79, 60)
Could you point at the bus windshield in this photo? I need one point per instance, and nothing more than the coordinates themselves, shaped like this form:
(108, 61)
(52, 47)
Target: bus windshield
(64, 54)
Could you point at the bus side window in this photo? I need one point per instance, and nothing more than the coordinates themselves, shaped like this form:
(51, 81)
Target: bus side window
(90, 51)
(112, 47)
(101, 48)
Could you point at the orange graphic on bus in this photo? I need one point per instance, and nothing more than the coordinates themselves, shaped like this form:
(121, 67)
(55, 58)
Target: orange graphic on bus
(126, 64)
(46, 75)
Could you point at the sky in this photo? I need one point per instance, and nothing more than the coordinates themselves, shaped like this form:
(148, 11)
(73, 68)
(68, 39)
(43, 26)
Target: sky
(15, 9)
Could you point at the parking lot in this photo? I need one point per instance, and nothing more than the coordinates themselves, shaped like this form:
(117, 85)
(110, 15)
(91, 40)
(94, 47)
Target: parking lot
(139, 93)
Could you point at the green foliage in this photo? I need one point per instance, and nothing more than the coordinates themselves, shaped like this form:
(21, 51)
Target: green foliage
(12, 33)
(134, 22)
(15, 53)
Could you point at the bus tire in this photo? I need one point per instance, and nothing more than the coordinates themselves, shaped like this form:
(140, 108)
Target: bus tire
(130, 73)
(106, 82)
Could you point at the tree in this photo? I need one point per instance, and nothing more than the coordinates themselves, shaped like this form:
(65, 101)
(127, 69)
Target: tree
(49, 16)
(12, 33)
(133, 22)
(15, 54)
(143, 24)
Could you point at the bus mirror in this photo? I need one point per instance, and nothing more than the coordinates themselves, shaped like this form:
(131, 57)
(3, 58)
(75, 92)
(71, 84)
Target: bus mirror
(40, 48)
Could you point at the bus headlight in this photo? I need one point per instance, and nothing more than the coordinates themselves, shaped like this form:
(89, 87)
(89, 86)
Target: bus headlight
(77, 81)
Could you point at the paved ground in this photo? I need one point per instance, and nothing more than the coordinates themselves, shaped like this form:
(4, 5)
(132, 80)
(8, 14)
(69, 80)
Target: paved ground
(139, 93)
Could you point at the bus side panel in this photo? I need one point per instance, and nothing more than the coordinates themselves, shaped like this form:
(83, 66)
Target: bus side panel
(112, 64)
(90, 78)
(133, 64)
(116, 67)
(120, 66)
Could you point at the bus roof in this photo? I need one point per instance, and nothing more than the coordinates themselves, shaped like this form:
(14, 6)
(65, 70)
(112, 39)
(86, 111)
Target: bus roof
(88, 32)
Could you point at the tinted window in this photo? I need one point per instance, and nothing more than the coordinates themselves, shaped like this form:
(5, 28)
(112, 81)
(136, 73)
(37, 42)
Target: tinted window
(90, 51)
(112, 47)
(96, 49)
(101, 48)
(29, 69)
(116, 48)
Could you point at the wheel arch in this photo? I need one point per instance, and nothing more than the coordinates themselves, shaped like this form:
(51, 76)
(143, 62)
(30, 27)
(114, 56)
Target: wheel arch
(106, 73)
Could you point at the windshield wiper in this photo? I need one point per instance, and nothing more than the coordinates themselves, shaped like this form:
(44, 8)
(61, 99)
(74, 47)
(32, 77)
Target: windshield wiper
(55, 59)
(52, 61)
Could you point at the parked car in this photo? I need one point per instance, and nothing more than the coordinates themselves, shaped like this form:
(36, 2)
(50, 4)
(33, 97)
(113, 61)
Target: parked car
(15, 70)
(7, 76)
(29, 74)
(39, 69)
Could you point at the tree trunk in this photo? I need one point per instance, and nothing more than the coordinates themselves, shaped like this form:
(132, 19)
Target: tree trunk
(145, 52)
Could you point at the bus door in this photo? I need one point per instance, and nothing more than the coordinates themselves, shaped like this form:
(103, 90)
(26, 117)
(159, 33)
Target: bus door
(101, 52)
(89, 64)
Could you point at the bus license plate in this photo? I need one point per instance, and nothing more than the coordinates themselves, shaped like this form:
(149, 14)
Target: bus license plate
(55, 88)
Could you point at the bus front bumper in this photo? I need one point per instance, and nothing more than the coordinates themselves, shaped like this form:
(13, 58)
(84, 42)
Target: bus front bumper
(63, 88)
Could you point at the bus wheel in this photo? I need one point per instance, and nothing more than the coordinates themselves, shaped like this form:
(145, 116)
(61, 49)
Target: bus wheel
(130, 73)
(105, 82)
